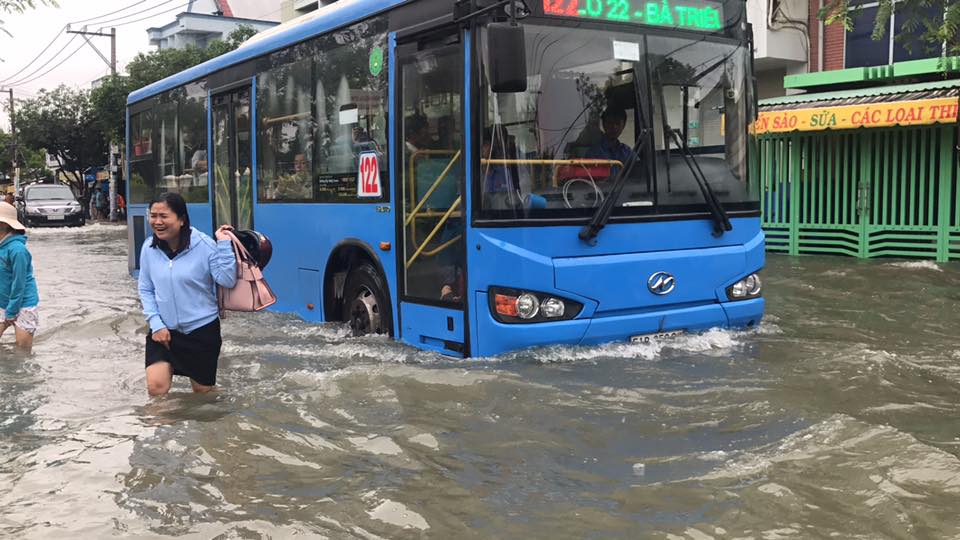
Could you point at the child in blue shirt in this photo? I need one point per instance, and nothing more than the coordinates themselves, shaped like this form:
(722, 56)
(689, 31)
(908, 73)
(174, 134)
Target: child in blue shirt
(18, 289)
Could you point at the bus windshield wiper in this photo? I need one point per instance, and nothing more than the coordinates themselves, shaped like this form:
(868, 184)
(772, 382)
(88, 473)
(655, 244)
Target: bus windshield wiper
(600, 218)
(721, 222)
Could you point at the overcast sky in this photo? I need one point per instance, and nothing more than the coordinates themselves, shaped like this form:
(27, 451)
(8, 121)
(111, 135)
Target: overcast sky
(34, 30)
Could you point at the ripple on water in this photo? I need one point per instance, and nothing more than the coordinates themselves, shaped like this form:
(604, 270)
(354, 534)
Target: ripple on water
(838, 417)
(713, 340)
(917, 265)
(839, 474)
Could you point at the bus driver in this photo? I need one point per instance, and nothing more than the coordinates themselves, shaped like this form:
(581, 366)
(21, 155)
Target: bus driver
(613, 121)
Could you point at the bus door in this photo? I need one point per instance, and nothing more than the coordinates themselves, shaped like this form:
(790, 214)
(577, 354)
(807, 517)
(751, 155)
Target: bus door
(232, 151)
(429, 195)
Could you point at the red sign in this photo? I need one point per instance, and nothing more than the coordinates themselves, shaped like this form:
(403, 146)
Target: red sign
(368, 176)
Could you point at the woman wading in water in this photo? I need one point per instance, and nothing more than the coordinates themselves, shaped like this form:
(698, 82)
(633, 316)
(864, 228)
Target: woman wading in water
(180, 268)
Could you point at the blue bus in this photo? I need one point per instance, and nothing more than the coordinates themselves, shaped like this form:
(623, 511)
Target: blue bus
(478, 176)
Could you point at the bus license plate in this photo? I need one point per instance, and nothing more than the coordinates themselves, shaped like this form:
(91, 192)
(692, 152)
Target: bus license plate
(651, 338)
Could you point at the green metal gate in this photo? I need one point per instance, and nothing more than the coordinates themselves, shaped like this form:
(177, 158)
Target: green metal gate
(862, 193)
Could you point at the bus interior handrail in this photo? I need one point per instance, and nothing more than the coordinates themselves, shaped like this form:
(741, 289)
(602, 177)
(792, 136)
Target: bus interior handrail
(436, 183)
(436, 229)
(288, 118)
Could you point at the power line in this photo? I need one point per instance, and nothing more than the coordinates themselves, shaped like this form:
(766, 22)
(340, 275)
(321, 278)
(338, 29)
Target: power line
(45, 64)
(30, 78)
(45, 73)
(30, 63)
(60, 33)
(111, 13)
(165, 2)
(154, 15)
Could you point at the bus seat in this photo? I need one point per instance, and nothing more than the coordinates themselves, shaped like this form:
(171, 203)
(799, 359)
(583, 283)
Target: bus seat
(597, 172)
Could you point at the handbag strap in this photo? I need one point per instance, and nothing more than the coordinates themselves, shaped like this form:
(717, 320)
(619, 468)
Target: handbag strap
(241, 252)
(241, 255)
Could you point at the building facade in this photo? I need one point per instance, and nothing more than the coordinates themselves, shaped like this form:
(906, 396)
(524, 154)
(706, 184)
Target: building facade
(204, 21)
(859, 158)
(291, 9)
(781, 42)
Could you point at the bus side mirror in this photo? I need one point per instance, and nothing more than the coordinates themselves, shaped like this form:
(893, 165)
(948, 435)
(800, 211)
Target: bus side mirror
(508, 58)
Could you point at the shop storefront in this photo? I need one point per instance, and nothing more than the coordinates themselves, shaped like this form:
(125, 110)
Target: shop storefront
(866, 172)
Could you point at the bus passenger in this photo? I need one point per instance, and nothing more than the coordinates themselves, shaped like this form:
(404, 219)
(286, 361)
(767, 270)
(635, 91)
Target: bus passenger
(453, 287)
(417, 133)
(180, 270)
(296, 185)
(613, 121)
(496, 178)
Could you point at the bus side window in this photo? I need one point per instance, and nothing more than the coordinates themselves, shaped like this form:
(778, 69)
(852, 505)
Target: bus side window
(142, 168)
(286, 132)
(351, 111)
(193, 143)
(320, 107)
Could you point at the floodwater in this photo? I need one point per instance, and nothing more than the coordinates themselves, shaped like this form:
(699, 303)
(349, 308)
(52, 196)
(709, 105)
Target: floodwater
(838, 418)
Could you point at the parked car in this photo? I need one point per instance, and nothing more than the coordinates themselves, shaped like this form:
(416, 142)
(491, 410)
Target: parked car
(49, 204)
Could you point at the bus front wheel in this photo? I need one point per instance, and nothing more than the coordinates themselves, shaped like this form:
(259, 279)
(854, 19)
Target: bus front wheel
(366, 304)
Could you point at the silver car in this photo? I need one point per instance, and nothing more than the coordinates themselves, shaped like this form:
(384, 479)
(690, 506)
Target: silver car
(49, 204)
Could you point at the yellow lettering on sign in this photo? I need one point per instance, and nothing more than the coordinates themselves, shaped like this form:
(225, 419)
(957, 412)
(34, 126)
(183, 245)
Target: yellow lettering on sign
(872, 115)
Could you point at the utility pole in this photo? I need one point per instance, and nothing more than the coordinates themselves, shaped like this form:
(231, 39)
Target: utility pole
(13, 133)
(112, 62)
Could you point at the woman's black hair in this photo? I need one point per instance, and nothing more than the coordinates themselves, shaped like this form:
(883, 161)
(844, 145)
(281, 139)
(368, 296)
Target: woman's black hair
(179, 206)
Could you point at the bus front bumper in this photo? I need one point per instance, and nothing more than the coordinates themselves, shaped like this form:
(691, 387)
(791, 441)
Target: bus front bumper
(495, 337)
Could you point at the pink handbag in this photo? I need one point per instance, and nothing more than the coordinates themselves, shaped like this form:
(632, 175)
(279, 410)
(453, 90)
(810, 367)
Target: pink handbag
(251, 293)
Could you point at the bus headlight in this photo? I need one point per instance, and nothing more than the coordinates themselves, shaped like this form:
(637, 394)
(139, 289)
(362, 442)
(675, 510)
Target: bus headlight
(746, 288)
(527, 306)
(552, 308)
(519, 306)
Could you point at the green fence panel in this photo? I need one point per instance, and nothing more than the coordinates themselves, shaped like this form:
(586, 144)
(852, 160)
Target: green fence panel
(863, 193)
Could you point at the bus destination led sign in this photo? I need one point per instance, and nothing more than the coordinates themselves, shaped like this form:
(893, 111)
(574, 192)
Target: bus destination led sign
(686, 15)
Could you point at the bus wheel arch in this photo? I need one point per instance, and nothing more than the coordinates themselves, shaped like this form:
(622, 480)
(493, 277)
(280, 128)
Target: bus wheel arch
(355, 290)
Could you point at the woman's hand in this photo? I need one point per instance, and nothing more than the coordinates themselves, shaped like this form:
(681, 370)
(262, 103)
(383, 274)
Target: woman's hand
(162, 336)
(220, 234)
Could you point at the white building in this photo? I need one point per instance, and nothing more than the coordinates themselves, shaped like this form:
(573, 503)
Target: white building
(291, 9)
(205, 21)
(781, 42)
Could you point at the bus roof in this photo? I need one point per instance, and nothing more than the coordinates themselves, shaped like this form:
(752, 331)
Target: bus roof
(326, 18)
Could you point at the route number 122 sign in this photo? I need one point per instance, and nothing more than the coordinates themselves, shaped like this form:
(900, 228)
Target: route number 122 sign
(368, 176)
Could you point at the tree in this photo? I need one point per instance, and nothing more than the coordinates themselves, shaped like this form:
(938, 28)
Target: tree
(19, 6)
(234, 40)
(62, 122)
(151, 67)
(32, 163)
(109, 100)
(921, 21)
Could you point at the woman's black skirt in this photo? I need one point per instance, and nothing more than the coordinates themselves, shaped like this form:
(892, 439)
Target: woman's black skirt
(191, 355)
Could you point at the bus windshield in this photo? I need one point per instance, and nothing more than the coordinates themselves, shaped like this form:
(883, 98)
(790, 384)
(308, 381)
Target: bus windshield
(593, 98)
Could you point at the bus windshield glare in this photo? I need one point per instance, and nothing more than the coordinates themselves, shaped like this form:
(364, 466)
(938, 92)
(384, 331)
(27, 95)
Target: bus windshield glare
(593, 97)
